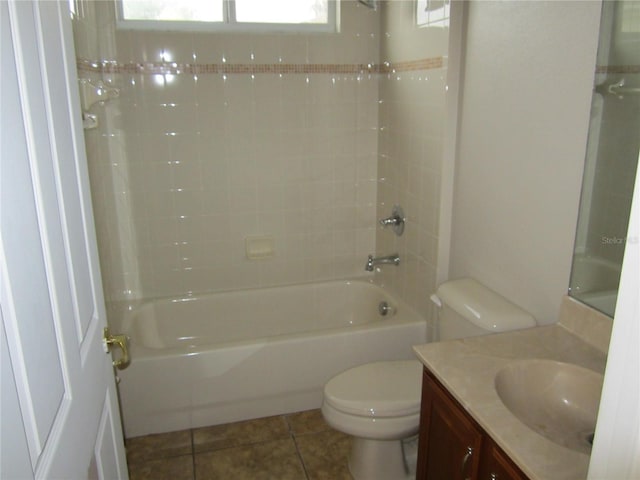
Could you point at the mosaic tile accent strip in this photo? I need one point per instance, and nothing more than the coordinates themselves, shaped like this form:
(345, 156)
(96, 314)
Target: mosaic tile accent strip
(164, 68)
(618, 69)
(171, 68)
(412, 65)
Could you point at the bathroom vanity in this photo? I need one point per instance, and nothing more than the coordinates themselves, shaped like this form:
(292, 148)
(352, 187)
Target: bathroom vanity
(486, 400)
(453, 445)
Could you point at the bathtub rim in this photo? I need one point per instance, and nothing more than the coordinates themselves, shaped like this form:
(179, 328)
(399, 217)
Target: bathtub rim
(141, 353)
(121, 308)
(404, 314)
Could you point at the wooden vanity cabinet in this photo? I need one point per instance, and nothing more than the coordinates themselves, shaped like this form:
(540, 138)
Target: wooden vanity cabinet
(450, 441)
(496, 465)
(452, 446)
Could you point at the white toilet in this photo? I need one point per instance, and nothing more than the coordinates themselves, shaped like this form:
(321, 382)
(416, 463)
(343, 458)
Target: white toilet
(379, 403)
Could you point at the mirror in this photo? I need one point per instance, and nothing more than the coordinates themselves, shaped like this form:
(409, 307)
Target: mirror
(611, 159)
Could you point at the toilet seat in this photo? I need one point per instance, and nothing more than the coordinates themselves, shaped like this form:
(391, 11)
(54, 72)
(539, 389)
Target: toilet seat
(379, 389)
(379, 405)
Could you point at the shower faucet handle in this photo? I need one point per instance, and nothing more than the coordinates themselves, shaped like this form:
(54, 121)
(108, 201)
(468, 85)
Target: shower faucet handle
(395, 221)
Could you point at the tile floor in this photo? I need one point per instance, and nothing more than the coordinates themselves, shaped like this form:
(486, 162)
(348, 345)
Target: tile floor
(296, 446)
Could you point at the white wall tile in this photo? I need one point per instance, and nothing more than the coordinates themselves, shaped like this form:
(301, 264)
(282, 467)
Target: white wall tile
(208, 159)
(409, 155)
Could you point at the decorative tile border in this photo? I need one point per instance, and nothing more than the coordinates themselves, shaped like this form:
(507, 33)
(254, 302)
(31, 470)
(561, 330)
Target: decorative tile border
(618, 69)
(422, 64)
(164, 68)
(170, 68)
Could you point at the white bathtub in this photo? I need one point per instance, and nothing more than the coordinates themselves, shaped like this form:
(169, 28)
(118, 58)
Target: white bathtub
(594, 281)
(233, 356)
(593, 274)
(602, 301)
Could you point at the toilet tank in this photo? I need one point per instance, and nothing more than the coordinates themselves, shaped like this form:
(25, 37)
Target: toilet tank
(467, 308)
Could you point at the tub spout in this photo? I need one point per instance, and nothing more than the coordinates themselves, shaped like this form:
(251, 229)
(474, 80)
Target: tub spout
(389, 260)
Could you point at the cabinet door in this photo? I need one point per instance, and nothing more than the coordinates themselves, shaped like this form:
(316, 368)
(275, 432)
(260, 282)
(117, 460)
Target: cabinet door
(449, 447)
(496, 465)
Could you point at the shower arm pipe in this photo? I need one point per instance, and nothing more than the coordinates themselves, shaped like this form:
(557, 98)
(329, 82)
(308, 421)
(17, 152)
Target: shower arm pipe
(369, 3)
(617, 89)
(92, 92)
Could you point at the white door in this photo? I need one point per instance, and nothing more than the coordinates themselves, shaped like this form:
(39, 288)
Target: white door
(60, 416)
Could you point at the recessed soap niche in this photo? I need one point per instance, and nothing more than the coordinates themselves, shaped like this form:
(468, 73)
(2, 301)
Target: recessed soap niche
(259, 247)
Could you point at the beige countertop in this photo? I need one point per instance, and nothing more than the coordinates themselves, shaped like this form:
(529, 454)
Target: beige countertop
(467, 368)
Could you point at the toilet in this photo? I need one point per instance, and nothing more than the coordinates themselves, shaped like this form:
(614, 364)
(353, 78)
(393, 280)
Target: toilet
(378, 403)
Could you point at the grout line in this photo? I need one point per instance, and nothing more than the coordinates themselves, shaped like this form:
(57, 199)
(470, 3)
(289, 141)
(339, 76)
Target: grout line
(159, 457)
(242, 445)
(295, 443)
(193, 454)
(290, 431)
(289, 424)
(304, 467)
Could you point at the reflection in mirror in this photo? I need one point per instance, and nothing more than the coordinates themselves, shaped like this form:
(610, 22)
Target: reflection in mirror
(611, 159)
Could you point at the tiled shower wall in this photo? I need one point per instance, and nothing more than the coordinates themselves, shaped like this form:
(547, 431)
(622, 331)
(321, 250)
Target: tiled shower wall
(272, 135)
(216, 138)
(411, 116)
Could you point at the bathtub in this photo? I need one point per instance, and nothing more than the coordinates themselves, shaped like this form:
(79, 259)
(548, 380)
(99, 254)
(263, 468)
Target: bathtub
(602, 301)
(594, 281)
(233, 356)
(594, 274)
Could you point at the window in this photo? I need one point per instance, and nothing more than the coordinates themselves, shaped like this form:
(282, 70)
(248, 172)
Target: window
(629, 17)
(432, 13)
(170, 11)
(232, 15)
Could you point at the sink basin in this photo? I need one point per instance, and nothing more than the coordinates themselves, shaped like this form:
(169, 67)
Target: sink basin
(557, 400)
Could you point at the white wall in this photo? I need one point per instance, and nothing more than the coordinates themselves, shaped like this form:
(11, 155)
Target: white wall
(529, 70)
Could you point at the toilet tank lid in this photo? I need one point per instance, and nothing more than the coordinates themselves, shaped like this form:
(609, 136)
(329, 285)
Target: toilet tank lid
(482, 306)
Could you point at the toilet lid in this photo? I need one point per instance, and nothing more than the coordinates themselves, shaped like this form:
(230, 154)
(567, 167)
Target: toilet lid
(381, 389)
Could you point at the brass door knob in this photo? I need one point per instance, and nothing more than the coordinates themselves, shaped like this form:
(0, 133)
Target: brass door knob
(121, 341)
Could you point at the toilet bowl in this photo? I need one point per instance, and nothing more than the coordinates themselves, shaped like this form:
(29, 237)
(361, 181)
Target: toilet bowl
(379, 405)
